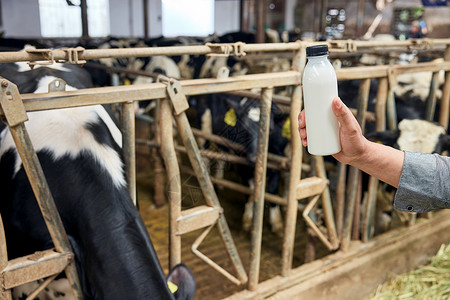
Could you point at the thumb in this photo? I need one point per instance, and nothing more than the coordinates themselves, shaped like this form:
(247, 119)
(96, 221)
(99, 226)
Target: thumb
(342, 113)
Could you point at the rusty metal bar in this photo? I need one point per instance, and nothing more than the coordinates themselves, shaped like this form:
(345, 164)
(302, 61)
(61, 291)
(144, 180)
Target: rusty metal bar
(173, 174)
(260, 186)
(207, 188)
(431, 100)
(445, 101)
(340, 198)
(380, 105)
(334, 46)
(391, 110)
(368, 224)
(295, 170)
(160, 178)
(354, 173)
(128, 128)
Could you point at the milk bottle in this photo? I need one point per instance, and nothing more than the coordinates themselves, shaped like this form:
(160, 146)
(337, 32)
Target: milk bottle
(319, 89)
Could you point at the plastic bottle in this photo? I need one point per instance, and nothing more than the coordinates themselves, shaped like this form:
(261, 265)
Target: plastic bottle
(319, 89)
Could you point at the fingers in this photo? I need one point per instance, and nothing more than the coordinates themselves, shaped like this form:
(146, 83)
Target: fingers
(302, 128)
(301, 120)
(343, 113)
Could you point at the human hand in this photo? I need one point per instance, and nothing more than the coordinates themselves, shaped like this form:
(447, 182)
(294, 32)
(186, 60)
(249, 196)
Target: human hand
(353, 143)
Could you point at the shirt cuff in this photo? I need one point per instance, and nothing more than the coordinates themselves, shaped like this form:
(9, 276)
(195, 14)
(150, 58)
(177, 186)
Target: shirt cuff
(415, 189)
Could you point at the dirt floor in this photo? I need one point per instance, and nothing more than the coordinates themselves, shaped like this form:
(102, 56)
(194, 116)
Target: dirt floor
(211, 284)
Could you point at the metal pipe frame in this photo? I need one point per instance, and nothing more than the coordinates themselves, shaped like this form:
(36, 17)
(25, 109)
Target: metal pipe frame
(65, 55)
(295, 170)
(173, 174)
(260, 187)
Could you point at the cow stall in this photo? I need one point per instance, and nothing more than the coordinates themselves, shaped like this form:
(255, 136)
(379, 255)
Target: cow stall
(172, 96)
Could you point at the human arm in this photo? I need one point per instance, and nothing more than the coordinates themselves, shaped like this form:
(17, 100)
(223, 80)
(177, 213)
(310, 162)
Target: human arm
(382, 162)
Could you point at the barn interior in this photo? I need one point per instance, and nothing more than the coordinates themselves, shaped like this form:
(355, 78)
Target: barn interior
(236, 218)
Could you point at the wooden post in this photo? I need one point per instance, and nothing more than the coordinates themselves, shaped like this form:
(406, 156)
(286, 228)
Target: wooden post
(173, 174)
(295, 170)
(260, 188)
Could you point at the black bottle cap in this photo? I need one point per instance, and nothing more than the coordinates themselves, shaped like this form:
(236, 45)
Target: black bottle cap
(317, 50)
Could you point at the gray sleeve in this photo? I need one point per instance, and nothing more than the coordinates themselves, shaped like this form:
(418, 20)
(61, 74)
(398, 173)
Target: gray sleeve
(424, 183)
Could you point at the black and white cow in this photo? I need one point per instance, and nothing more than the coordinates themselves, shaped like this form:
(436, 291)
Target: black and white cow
(80, 153)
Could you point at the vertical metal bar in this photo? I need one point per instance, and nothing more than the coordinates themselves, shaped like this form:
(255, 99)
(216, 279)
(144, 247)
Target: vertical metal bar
(323, 15)
(260, 21)
(160, 179)
(340, 198)
(260, 187)
(173, 174)
(145, 9)
(128, 147)
(326, 203)
(354, 173)
(357, 215)
(445, 101)
(391, 110)
(84, 19)
(380, 106)
(185, 131)
(295, 169)
(360, 18)
(4, 294)
(45, 200)
(369, 211)
(431, 100)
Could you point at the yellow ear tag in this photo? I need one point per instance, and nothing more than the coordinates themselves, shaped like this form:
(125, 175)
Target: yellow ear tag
(172, 287)
(230, 117)
(127, 82)
(286, 130)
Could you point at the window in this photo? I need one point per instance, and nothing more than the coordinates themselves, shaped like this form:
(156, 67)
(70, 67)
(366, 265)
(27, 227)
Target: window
(193, 17)
(58, 19)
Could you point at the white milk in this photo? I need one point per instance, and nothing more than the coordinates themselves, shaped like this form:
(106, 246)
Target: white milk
(319, 89)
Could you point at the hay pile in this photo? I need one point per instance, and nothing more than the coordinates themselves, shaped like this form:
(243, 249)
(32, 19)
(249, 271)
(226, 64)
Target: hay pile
(427, 282)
